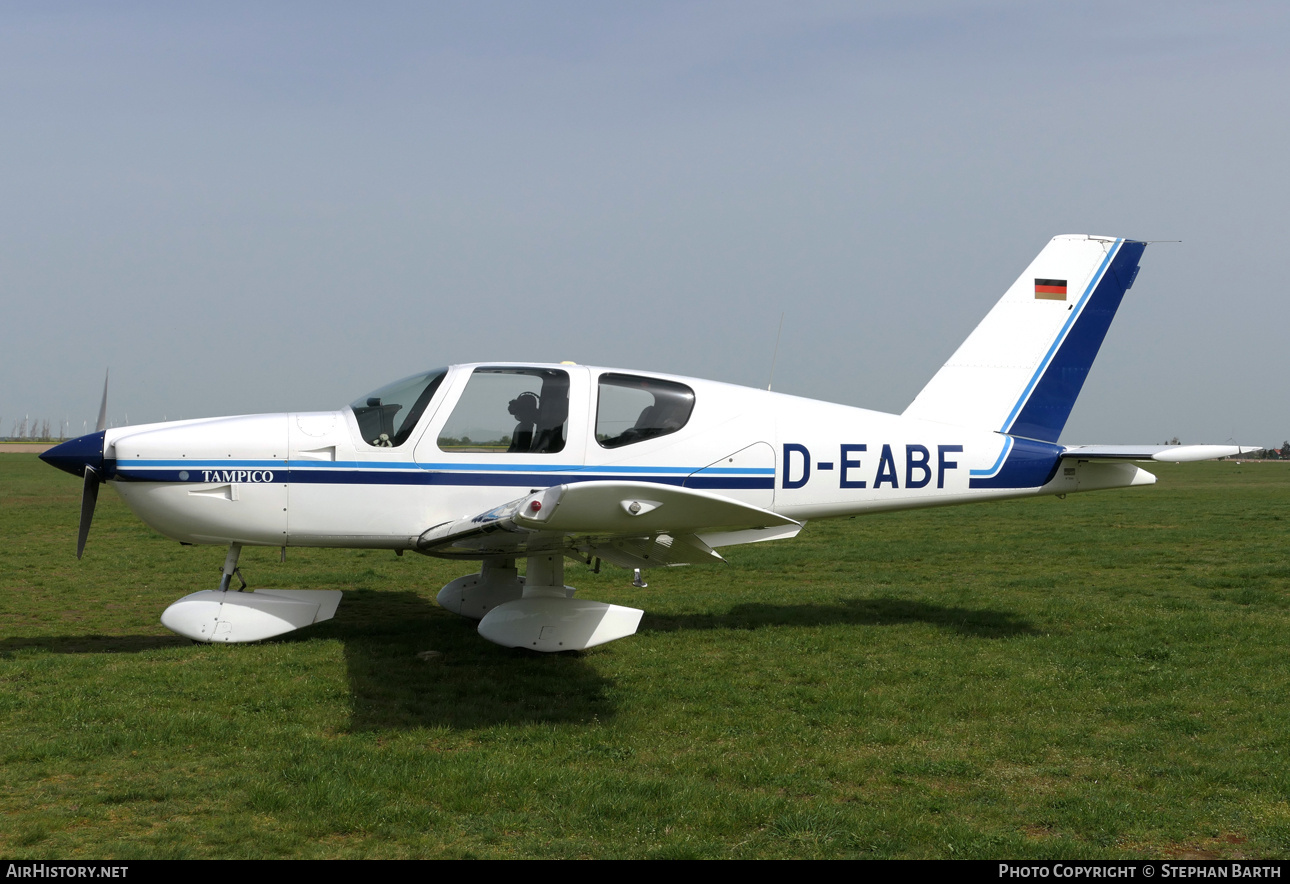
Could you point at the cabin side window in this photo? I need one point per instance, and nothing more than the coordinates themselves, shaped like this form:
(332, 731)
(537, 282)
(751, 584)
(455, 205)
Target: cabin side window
(510, 411)
(387, 417)
(631, 409)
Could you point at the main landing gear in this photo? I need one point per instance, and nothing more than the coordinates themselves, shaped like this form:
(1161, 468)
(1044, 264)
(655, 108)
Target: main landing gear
(536, 611)
(224, 615)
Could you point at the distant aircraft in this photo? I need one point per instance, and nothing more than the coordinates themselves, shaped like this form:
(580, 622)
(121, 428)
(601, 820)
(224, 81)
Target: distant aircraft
(500, 461)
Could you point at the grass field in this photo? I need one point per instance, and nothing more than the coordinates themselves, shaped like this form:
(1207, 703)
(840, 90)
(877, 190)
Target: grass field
(1103, 676)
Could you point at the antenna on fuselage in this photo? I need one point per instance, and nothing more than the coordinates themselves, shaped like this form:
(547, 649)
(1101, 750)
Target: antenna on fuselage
(775, 354)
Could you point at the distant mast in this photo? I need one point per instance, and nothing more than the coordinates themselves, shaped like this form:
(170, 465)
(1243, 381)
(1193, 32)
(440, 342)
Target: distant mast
(774, 355)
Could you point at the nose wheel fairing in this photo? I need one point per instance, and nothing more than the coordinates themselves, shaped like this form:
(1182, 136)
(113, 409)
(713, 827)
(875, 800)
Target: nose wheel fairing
(221, 615)
(230, 616)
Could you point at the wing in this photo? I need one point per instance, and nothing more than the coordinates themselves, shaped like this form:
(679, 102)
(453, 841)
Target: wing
(630, 524)
(1159, 453)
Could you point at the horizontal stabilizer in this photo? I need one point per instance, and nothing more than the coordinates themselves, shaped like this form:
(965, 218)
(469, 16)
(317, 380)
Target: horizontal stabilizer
(1158, 453)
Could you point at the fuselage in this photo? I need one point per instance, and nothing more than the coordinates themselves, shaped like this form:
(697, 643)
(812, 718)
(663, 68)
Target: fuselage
(316, 479)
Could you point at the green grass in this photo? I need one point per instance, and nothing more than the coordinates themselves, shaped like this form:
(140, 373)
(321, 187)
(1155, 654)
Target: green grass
(1097, 677)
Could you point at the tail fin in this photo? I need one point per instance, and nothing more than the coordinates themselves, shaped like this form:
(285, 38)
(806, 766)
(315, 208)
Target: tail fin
(1021, 368)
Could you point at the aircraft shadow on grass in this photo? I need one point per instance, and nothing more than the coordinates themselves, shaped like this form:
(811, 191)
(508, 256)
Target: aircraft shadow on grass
(409, 664)
(88, 644)
(971, 622)
(472, 684)
(412, 664)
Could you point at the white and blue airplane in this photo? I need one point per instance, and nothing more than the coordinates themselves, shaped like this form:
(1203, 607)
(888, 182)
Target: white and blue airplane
(500, 461)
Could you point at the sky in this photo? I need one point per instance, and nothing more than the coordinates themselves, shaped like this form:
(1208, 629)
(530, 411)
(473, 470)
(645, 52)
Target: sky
(257, 207)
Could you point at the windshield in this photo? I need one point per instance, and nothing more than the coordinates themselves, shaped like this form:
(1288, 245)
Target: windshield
(387, 417)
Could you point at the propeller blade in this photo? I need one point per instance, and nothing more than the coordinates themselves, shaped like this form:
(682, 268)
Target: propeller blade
(89, 497)
(102, 425)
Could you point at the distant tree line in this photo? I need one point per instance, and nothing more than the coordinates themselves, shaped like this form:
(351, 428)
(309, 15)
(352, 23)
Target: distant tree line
(1282, 453)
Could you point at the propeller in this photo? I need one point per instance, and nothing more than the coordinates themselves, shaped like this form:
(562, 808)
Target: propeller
(93, 477)
(83, 456)
(89, 497)
(102, 424)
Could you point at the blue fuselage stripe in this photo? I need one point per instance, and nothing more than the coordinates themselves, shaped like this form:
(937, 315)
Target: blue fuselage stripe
(381, 465)
(266, 472)
(998, 462)
(1030, 464)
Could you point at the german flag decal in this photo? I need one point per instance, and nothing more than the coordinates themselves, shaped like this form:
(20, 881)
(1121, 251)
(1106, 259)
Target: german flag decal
(1050, 289)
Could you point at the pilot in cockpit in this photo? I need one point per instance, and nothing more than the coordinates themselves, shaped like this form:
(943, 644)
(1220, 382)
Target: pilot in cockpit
(525, 409)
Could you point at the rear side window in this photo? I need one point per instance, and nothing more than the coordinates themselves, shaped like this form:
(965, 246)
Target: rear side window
(631, 408)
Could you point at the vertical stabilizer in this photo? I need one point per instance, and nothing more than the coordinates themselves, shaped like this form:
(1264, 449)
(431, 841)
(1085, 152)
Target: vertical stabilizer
(1021, 369)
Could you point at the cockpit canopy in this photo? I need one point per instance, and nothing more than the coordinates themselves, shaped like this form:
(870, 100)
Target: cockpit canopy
(511, 409)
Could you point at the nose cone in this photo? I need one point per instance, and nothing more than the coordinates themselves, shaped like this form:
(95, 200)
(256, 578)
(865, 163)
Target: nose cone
(75, 455)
